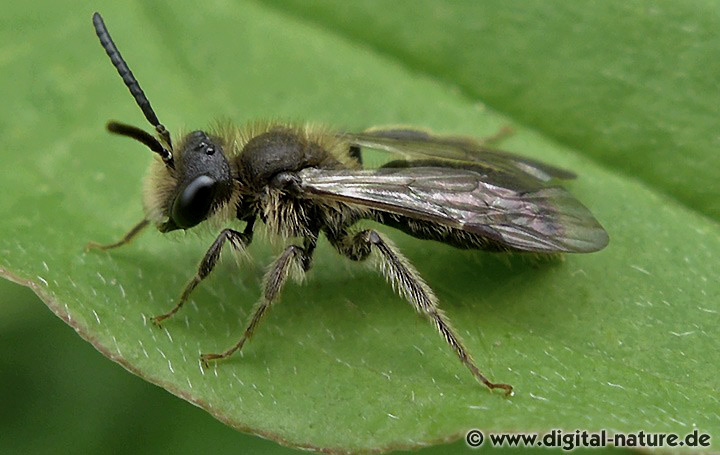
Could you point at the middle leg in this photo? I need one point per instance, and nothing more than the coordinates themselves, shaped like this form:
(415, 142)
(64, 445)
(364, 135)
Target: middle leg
(295, 260)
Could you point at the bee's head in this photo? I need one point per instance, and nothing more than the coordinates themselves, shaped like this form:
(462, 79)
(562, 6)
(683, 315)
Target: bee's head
(190, 181)
(197, 184)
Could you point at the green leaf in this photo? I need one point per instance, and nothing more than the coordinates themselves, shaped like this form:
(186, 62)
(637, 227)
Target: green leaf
(622, 339)
(99, 404)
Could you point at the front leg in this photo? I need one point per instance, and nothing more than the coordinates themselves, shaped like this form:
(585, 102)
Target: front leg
(296, 260)
(127, 238)
(238, 239)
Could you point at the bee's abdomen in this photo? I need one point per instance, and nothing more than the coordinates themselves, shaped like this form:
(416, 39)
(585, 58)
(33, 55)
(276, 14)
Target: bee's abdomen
(432, 231)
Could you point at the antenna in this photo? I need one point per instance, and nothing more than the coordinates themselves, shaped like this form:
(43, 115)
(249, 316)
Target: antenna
(143, 136)
(134, 87)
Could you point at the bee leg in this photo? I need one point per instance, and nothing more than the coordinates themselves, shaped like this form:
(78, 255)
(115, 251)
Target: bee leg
(354, 152)
(408, 283)
(238, 239)
(502, 134)
(295, 260)
(132, 233)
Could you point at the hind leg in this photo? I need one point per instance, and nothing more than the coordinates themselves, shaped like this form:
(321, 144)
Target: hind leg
(408, 283)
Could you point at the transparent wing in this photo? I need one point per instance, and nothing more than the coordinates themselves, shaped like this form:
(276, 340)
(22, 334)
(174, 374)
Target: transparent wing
(414, 144)
(525, 215)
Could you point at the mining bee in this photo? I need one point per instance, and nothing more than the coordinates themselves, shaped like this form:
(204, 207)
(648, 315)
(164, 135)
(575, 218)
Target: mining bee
(303, 181)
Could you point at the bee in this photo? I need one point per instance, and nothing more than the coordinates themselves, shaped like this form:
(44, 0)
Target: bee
(303, 182)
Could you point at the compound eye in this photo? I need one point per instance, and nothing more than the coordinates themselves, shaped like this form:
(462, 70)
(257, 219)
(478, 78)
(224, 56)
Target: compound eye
(193, 203)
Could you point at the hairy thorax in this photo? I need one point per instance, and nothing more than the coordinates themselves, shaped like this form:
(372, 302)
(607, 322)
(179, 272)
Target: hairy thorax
(286, 215)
